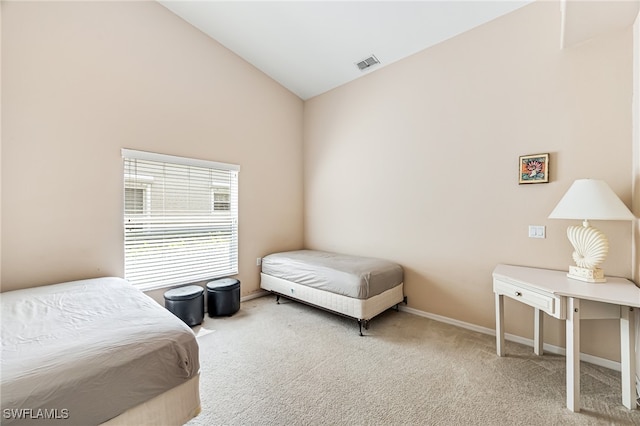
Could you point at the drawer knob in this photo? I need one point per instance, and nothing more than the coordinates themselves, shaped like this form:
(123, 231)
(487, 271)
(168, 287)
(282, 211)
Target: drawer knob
(518, 294)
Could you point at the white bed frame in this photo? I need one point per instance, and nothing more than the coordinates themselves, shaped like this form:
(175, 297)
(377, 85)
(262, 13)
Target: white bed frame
(360, 309)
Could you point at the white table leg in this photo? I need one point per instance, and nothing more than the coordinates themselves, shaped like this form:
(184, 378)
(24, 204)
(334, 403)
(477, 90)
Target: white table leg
(573, 354)
(627, 352)
(538, 339)
(500, 324)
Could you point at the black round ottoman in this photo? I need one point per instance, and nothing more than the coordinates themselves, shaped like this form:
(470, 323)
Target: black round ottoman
(187, 303)
(223, 297)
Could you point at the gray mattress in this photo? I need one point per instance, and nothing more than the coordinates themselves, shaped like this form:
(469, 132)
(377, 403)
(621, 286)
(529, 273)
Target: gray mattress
(89, 350)
(351, 276)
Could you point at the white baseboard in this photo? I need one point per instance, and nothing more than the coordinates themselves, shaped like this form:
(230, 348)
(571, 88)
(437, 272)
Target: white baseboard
(255, 295)
(512, 337)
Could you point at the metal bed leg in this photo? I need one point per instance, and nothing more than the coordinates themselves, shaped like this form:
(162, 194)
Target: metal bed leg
(278, 299)
(361, 323)
(397, 306)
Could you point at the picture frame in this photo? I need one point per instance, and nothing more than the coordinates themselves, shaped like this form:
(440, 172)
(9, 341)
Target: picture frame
(533, 168)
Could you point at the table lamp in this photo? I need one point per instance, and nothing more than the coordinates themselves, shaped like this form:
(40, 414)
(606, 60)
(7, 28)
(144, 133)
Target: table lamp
(589, 199)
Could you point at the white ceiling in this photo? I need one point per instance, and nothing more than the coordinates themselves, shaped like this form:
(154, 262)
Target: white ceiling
(311, 47)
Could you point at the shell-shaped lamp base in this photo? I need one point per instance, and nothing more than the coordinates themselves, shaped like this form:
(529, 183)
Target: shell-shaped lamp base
(590, 244)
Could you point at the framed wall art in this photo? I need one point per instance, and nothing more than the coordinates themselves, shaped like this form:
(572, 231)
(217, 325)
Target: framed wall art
(534, 168)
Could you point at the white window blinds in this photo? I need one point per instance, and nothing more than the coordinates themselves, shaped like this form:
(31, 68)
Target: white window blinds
(180, 219)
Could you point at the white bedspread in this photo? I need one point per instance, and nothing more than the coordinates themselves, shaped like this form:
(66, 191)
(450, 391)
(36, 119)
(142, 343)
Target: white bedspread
(85, 351)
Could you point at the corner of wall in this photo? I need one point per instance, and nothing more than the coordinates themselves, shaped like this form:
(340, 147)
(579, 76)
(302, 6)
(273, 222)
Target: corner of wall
(635, 184)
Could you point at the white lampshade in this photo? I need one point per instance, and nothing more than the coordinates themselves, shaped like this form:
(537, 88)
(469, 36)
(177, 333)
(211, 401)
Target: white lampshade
(591, 199)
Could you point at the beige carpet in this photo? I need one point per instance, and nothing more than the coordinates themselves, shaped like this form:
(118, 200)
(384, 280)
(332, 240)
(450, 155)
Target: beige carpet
(291, 364)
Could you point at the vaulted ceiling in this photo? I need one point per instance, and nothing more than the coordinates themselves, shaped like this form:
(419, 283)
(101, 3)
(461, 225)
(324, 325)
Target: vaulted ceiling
(311, 47)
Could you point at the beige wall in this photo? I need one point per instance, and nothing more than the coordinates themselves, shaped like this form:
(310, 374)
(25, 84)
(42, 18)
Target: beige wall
(636, 179)
(417, 162)
(81, 80)
(636, 152)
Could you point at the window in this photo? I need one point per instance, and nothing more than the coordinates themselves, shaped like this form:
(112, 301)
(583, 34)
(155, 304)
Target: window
(134, 200)
(137, 193)
(221, 199)
(180, 219)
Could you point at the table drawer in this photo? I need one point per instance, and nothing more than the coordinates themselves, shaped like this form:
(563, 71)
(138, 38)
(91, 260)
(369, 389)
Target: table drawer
(546, 302)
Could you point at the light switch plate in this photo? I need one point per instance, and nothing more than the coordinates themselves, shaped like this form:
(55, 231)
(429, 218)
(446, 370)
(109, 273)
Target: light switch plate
(537, 231)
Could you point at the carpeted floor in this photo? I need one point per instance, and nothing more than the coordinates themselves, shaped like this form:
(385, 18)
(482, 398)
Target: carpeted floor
(291, 364)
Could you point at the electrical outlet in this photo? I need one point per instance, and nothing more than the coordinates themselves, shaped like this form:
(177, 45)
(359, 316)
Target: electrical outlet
(259, 261)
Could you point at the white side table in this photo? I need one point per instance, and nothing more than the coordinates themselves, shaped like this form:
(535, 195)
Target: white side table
(571, 300)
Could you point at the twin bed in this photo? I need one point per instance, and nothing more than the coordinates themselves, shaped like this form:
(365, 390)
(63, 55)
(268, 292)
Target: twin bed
(353, 286)
(92, 352)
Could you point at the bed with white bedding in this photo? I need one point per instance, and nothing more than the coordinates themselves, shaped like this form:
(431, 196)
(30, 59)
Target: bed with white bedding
(95, 351)
(353, 286)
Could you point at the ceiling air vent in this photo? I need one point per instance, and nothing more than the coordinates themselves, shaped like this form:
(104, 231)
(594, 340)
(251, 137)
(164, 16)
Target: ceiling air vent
(366, 63)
